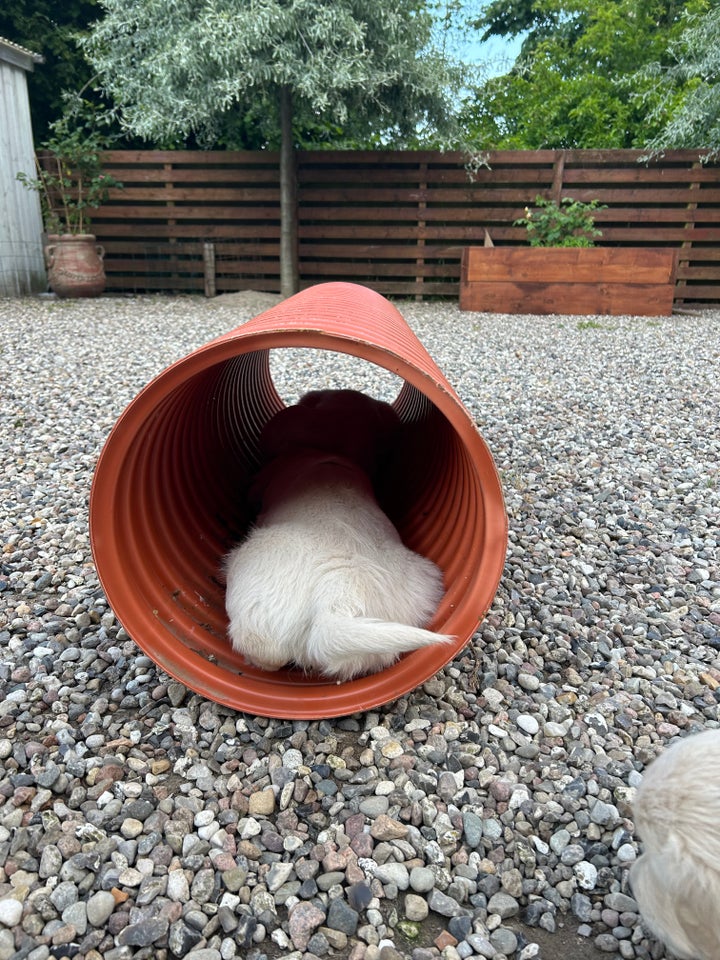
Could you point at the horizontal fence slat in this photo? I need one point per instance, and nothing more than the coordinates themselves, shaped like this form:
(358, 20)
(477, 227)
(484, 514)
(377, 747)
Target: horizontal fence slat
(576, 298)
(495, 263)
(172, 194)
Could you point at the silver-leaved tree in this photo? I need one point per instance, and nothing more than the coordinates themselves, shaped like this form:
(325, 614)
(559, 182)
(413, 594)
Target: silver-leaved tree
(691, 86)
(173, 68)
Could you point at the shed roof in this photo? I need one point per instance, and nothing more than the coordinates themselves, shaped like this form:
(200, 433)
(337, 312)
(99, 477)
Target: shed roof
(20, 57)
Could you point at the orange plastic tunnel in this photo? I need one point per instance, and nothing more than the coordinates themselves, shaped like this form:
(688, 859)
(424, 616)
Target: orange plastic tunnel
(167, 500)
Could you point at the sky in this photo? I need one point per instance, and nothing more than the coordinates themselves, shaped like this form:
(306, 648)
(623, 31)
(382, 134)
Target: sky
(496, 54)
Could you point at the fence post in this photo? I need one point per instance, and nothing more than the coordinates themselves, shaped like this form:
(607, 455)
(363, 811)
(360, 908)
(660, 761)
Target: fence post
(558, 176)
(209, 268)
(686, 245)
(421, 225)
(171, 221)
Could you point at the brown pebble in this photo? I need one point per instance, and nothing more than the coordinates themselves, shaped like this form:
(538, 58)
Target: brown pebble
(385, 828)
(63, 935)
(445, 939)
(250, 850)
(261, 803)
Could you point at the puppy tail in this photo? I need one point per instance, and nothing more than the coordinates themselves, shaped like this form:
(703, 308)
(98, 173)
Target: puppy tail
(346, 647)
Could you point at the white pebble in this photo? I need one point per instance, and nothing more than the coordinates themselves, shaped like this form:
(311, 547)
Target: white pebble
(10, 911)
(528, 723)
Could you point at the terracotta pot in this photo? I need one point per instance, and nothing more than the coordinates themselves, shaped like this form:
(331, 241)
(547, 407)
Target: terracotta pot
(75, 266)
(51, 240)
(166, 502)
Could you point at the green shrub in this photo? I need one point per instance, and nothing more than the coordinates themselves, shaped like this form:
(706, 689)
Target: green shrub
(571, 223)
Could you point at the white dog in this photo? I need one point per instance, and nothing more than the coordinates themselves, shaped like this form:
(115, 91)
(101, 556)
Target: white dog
(676, 881)
(323, 580)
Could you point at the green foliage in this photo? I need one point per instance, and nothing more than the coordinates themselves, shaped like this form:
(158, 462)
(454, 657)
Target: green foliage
(571, 223)
(575, 83)
(513, 18)
(362, 68)
(48, 28)
(687, 93)
(70, 180)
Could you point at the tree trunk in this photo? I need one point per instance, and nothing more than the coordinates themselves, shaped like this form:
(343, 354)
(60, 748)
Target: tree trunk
(289, 272)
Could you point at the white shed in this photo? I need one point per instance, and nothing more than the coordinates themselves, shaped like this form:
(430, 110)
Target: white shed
(22, 267)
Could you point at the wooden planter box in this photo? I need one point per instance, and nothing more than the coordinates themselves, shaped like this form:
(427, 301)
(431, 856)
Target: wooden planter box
(569, 280)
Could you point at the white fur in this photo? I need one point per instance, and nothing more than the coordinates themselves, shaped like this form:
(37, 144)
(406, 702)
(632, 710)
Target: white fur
(323, 580)
(676, 881)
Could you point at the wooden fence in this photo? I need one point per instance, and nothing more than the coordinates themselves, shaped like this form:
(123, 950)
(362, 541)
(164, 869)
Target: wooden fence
(396, 221)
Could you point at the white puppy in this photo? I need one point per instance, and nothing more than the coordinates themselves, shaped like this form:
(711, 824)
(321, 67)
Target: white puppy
(676, 881)
(323, 580)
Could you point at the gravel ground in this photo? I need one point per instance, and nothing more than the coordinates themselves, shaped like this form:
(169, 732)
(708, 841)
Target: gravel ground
(484, 815)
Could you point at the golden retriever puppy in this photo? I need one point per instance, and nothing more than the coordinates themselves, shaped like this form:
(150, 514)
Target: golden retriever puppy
(323, 580)
(676, 881)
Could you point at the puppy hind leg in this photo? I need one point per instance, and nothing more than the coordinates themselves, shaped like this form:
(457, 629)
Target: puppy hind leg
(258, 651)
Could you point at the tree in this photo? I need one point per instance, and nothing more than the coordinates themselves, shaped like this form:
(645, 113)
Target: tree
(689, 90)
(575, 82)
(49, 28)
(179, 68)
(528, 18)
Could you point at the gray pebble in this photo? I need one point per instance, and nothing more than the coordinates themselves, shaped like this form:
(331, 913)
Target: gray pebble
(182, 938)
(504, 940)
(99, 907)
(503, 905)
(621, 902)
(394, 873)
(446, 906)
(63, 895)
(342, 917)
(482, 945)
(76, 915)
(143, 933)
(373, 807)
(422, 879)
(572, 854)
(472, 828)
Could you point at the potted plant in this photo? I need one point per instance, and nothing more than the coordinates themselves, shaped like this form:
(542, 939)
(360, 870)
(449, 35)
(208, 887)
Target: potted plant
(562, 271)
(71, 183)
